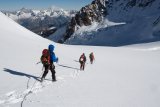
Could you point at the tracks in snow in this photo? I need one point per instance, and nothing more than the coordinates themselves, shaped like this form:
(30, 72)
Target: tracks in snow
(33, 86)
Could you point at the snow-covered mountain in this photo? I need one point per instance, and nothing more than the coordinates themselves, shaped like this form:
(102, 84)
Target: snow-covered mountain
(139, 23)
(41, 21)
(120, 76)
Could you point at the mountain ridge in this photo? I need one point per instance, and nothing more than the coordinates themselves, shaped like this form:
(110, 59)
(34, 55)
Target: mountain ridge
(135, 14)
(41, 21)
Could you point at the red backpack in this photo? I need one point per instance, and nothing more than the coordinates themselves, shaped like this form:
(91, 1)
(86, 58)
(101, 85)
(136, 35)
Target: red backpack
(45, 58)
(81, 59)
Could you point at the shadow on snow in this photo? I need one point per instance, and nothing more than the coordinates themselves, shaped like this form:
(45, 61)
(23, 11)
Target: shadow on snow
(68, 67)
(20, 74)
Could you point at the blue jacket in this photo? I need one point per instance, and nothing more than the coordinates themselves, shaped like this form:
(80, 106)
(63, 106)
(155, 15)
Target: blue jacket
(53, 57)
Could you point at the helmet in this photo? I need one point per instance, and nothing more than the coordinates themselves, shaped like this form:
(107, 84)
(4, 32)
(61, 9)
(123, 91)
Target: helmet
(51, 47)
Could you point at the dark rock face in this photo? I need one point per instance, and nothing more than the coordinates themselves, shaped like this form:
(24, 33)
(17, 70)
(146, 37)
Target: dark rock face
(116, 10)
(145, 3)
(92, 12)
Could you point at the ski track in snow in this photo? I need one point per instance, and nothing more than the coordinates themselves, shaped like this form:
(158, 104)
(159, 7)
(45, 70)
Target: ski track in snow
(74, 74)
(13, 97)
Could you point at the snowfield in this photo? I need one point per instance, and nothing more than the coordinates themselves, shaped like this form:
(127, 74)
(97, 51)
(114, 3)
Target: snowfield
(125, 76)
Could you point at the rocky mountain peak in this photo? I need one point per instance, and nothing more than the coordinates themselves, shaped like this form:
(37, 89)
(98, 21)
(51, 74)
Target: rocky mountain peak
(87, 14)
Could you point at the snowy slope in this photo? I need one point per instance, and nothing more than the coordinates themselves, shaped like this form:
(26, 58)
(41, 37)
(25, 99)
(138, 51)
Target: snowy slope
(19, 48)
(120, 77)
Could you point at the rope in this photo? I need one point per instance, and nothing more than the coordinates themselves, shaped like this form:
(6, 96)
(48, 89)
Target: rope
(24, 98)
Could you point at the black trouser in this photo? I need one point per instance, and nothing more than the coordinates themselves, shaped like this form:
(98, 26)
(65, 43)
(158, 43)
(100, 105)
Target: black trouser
(82, 65)
(91, 60)
(50, 67)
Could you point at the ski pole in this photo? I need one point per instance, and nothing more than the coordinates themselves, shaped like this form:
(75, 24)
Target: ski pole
(42, 68)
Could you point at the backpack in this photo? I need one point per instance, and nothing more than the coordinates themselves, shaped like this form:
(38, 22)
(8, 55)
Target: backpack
(91, 56)
(81, 59)
(45, 58)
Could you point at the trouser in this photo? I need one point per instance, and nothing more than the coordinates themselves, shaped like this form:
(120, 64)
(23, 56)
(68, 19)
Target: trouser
(50, 67)
(82, 65)
(91, 60)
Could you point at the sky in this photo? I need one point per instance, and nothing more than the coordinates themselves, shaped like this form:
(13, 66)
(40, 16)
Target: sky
(12, 5)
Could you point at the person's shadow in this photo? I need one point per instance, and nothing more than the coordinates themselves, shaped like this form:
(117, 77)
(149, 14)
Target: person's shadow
(20, 74)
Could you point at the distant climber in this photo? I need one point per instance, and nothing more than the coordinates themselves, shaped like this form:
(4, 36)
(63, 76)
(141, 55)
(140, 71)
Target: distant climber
(48, 58)
(91, 57)
(82, 61)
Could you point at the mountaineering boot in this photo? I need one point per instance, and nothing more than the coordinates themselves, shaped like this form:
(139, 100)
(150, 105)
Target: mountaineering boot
(42, 79)
(54, 80)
